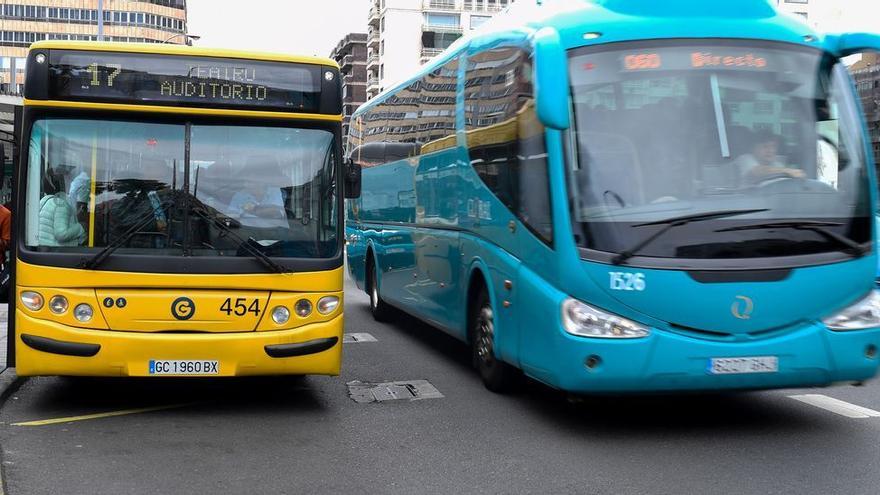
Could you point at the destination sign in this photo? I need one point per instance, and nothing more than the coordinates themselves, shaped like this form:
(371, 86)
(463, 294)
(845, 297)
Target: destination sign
(183, 81)
(687, 58)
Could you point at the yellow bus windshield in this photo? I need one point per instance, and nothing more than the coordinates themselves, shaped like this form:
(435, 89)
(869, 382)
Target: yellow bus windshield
(94, 183)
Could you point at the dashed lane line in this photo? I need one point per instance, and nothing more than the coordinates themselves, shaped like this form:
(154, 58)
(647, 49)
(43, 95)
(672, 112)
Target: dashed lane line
(110, 414)
(836, 406)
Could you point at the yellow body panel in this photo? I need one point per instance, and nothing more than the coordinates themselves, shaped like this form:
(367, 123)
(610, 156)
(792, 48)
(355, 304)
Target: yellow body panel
(170, 49)
(216, 112)
(128, 354)
(144, 328)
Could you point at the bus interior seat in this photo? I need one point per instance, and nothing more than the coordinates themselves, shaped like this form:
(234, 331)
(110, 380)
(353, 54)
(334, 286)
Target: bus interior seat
(722, 173)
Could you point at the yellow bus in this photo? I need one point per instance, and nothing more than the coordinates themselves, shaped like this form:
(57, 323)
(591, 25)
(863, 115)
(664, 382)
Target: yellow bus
(177, 211)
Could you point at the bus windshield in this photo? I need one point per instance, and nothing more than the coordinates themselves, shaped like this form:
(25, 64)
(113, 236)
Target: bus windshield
(688, 128)
(180, 189)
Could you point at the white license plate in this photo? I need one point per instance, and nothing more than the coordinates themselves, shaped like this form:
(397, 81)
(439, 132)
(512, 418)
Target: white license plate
(732, 366)
(184, 367)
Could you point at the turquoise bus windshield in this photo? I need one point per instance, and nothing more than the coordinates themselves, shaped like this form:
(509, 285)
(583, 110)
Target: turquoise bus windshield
(766, 135)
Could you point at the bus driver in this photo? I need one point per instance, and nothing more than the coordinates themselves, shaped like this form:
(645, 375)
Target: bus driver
(763, 163)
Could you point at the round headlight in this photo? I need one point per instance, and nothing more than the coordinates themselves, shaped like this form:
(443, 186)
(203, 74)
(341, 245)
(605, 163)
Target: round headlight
(327, 304)
(58, 305)
(280, 315)
(32, 300)
(303, 308)
(83, 312)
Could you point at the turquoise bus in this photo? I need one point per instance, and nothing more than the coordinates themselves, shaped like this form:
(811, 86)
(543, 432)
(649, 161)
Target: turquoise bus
(625, 196)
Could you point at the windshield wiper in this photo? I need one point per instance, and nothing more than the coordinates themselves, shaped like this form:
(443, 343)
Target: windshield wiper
(246, 245)
(677, 222)
(854, 248)
(100, 256)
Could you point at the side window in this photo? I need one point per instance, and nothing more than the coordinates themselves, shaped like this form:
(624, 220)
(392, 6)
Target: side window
(505, 139)
(437, 108)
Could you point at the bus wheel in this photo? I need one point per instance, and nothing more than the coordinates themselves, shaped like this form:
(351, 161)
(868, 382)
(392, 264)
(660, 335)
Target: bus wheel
(379, 308)
(497, 375)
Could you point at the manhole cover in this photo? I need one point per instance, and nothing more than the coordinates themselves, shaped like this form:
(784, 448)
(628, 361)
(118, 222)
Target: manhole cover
(351, 338)
(363, 392)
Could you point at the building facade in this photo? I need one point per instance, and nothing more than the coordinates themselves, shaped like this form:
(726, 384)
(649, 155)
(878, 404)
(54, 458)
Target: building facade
(866, 73)
(404, 34)
(23, 22)
(803, 8)
(351, 55)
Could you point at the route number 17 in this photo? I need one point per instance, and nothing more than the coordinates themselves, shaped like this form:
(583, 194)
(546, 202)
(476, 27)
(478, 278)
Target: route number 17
(627, 281)
(95, 71)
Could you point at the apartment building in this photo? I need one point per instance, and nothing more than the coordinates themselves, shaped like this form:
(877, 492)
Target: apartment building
(351, 55)
(866, 73)
(404, 34)
(23, 22)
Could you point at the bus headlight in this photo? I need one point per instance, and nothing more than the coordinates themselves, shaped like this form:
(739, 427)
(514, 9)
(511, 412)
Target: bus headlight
(280, 315)
(83, 312)
(327, 304)
(861, 315)
(303, 308)
(32, 300)
(582, 319)
(58, 305)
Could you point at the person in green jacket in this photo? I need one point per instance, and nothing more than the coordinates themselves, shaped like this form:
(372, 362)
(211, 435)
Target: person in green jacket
(58, 223)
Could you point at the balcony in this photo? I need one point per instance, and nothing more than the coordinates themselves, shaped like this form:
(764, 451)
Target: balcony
(429, 53)
(373, 41)
(372, 60)
(438, 28)
(373, 17)
(472, 6)
(350, 80)
(440, 5)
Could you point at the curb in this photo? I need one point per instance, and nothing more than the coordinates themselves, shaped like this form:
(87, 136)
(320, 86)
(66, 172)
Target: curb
(9, 384)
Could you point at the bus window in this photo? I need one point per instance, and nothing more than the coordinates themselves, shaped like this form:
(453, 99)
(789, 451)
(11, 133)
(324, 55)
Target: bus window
(505, 138)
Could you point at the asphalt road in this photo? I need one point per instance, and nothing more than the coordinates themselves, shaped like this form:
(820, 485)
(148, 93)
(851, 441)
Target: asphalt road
(306, 435)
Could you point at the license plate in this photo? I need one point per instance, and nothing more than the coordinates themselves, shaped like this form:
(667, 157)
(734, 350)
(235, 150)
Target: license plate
(184, 367)
(733, 366)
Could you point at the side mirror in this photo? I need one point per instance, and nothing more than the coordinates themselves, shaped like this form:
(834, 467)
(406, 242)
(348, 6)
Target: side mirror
(352, 182)
(852, 43)
(551, 79)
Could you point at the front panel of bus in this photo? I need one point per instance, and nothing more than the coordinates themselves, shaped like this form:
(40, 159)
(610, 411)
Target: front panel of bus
(720, 204)
(177, 215)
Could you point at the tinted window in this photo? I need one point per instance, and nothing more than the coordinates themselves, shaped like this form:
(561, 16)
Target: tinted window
(505, 138)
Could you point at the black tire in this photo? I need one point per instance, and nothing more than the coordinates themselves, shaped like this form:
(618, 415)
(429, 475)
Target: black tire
(497, 375)
(380, 309)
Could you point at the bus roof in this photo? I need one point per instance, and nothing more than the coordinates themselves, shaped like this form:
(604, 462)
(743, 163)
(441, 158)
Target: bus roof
(625, 20)
(170, 49)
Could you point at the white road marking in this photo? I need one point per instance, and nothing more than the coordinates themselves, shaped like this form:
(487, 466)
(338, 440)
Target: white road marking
(358, 337)
(836, 406)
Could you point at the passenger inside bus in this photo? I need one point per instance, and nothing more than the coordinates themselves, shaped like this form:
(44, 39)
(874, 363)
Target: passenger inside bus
(58, 222)
(144, 192)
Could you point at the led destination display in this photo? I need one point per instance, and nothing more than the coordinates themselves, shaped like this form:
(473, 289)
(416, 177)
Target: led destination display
(183, 81)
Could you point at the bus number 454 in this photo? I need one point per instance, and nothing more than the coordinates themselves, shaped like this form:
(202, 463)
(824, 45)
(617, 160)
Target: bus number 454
(240, 307)
(627, 281)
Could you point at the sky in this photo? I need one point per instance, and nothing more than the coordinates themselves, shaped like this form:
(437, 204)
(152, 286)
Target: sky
(314, 27)
(304, 27)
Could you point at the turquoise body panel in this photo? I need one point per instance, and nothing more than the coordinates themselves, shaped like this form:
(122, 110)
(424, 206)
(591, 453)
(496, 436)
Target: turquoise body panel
(442, 227)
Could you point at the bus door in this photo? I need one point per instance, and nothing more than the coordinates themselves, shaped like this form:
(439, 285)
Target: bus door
(436, 241)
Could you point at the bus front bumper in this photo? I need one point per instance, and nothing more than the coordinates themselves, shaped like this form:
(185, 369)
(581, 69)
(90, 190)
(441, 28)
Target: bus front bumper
(49, 348)
(809, 355)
